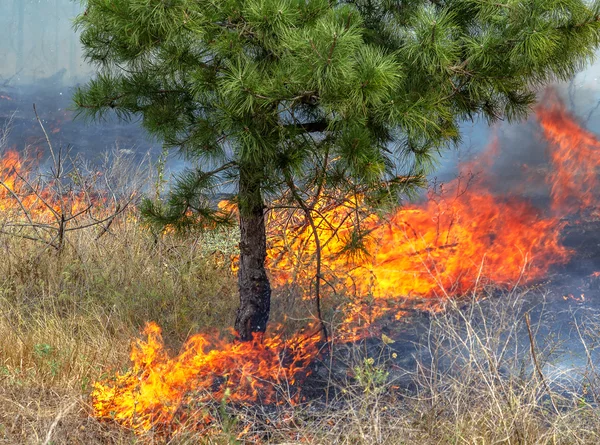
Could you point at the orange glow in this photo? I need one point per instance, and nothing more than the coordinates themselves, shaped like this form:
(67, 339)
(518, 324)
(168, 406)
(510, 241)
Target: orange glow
(19, 191)
(580, 299)
(436, 249)
(465, 237)
(442, 248)
(160, 391)
(574, 155)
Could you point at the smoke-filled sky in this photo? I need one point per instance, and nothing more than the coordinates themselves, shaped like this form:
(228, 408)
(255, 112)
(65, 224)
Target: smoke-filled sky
(37, 40)
(41, 61)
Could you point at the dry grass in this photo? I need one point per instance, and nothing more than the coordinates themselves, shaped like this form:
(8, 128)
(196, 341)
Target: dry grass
(473, 381)
(66, 319)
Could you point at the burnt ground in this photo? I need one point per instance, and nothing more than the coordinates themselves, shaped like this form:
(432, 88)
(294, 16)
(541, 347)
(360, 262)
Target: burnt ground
(582, 235)
(562, 309)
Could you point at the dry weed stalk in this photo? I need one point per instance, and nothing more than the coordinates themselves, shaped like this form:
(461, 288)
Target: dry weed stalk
(67, 198)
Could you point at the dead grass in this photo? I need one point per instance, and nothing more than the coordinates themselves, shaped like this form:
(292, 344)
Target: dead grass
(67, 319)
(473, 381)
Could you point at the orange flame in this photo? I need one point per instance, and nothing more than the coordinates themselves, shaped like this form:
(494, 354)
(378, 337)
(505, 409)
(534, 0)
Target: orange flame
(439, 248)
(421, 253)
(160, 389)
(19, 192)
(571, 297)
(574, 155)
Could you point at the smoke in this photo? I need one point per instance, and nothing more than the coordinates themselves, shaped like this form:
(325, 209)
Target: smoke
(42, 63)
(37, 41)
(520, 143)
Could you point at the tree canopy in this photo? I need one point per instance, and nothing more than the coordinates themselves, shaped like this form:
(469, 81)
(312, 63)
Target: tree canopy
(279, 93)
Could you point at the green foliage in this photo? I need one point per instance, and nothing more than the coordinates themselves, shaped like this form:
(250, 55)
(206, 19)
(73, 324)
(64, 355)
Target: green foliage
(371, 377)
(356, 93)
(189, 206)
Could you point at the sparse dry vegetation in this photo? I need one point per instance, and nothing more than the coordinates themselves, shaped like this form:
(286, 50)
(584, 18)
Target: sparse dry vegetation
(487, 370)
(68, 315)
(67, 320)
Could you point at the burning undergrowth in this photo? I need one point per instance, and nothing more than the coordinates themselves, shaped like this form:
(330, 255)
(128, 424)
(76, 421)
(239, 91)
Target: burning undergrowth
(466, 236)
(161, 392)
(421, 256)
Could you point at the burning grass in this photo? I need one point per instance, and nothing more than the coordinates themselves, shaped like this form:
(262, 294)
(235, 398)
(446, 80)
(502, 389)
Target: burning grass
(468, 229)
(472, 381)
(66, 321)
(67, 314)
(476, 373)
(159, 390)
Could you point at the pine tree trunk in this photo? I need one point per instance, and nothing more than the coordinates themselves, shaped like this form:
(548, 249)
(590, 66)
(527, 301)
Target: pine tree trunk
(254, 287)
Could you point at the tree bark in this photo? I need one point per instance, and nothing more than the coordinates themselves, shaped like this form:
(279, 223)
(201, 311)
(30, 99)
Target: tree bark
(254, 286)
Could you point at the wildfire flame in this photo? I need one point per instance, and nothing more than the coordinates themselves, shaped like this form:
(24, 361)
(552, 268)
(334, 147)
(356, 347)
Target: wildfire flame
(574, 155)
(423, 253)
(439, 248)
(22, 195)
(159, 390)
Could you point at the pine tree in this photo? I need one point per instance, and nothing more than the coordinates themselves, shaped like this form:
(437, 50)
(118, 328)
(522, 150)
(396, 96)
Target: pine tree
(289, 93)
